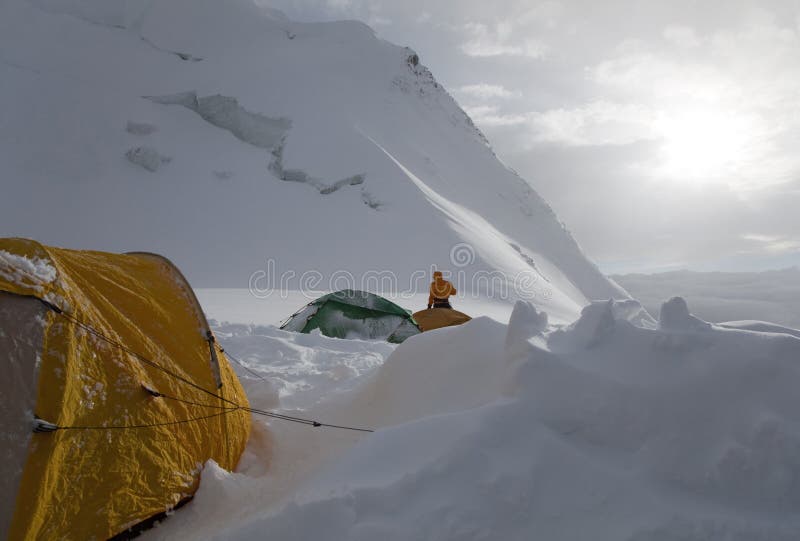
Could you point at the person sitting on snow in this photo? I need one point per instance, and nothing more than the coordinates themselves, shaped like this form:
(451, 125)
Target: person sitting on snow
(440, 292)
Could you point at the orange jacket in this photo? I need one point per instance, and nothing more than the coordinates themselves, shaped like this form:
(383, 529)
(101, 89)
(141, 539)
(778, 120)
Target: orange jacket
(440, 288)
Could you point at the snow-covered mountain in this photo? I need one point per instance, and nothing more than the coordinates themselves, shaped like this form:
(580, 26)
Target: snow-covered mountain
(223, 135)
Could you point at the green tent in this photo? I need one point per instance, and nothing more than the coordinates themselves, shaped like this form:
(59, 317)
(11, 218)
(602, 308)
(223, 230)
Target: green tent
(354, 314)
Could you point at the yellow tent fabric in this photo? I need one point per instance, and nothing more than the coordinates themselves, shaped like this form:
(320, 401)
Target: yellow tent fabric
(93, 483)
(436, 318)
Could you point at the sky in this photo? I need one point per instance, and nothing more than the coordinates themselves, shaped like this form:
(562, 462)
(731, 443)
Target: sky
(664, 134)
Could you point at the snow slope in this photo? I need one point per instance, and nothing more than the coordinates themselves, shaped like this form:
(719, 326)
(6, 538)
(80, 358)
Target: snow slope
(223, 135)
(605, 429)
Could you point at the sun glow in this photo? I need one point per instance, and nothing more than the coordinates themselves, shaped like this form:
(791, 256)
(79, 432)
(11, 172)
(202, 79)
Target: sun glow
(702, 146)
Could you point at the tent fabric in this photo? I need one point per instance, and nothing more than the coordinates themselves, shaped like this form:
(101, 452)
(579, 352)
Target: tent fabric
(95, 483)
(351, 313)
(21, 340)
(436, 318)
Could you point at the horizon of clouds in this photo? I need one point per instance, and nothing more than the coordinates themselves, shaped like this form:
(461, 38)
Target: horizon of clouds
(483, 91)
(662, 136)
(497, 40)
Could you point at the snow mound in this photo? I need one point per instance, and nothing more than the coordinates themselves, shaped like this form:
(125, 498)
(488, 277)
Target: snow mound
(525, 323)
(772, 296)
(599, 319)
(429, 375)
(299, 368)
(760, 326)
(675, 315)
(621, 437)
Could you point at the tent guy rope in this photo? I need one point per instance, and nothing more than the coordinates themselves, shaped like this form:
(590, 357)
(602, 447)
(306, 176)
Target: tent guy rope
(234, 406)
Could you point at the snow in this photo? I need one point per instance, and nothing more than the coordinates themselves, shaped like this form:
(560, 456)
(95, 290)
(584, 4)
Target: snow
(317, 146)
(300, 153)
(608, 428)
(146, 157)
(30, 272)
(760, 326)
(296, 364)
(675, 315)
(226, 113)
(772, 296)
(140, 128)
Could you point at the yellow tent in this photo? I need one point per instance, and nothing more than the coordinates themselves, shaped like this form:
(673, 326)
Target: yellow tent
(114, 394)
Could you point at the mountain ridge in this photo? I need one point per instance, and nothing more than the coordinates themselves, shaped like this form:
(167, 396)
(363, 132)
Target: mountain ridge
(342, 102)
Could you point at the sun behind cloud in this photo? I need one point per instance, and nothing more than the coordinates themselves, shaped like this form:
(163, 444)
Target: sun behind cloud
(703, 145)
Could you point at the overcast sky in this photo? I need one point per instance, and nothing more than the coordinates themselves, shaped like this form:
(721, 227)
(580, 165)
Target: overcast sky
(664, 134)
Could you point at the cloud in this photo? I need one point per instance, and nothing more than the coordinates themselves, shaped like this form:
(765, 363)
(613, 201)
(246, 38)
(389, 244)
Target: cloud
(378, 20)
(498, 40)
(726, 102)
(489, 116)
(596, 123)
(774, 244)
(486, 91)
(339, 4)
(653, 76)
(546, 13)
(682, 36)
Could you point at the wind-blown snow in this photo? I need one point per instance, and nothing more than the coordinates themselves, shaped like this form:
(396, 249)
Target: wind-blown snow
(35, 272)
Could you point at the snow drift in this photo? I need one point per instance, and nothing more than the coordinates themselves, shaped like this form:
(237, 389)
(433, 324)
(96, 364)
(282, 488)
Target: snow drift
(611, 428)
(722, 296)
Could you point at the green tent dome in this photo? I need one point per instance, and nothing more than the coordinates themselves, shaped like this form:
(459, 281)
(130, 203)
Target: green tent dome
(351, 313)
